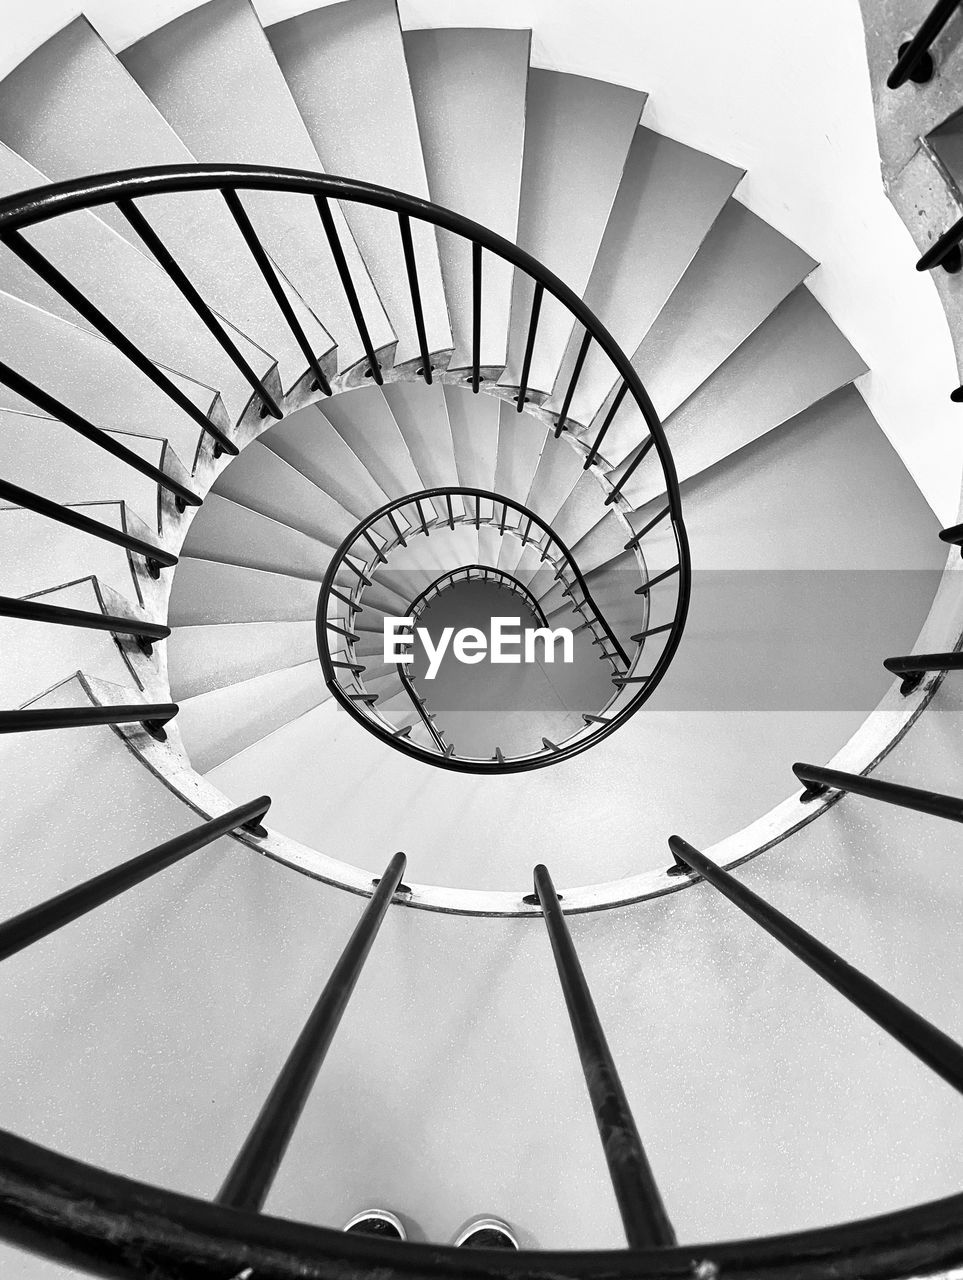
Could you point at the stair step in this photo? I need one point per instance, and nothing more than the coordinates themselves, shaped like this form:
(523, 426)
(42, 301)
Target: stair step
(137, 296)
(233, 534)
(199, 71)
(207, 591)
(742, 272)
(365, 423)
(212, 656)
(793, 359)
(577, 136)
(308, 442)
(74, 470)
(421, 413)
(217, 725)
(49, 653)
(374, 138)
(469, 88)
(72, 109)
(667, 201)
(261, 480)
(90, 376)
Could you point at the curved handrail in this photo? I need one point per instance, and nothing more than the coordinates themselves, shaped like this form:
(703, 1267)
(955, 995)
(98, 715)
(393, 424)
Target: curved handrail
(115, 1226)
(347, 553)
(488, 574)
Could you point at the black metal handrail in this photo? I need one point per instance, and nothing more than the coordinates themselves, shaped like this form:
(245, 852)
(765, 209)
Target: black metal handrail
(152, 715)
(360, 554)
(123, 188)
(915, 62)
(476, 573)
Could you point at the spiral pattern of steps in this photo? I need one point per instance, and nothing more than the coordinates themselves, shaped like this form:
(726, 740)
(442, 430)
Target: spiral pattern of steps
(144, 1038)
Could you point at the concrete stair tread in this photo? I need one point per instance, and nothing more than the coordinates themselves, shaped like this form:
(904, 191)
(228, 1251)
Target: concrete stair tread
(469, 87)
(49, 653)
(215, 655)
(74, 470)
(792, 360)
(577, 136)
(218, 724)
(667, 201)
(72, 109)
(208, 591)
(198, 71)
(365, 127)
(367, 426)
(261, 480)
(422, 416)
(308, 442)
(36, 553)
(237, 535)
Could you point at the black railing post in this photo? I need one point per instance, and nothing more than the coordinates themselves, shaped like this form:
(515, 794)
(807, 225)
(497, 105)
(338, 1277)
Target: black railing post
(819, 781)
(915, 62)
(257, 251)
(573, 381)
(37, 922)
(155, 556)
(32, 610)
(183, 496)
(411, 268)
(913, 667)
(152, 715)
(529, 347)
(204, 313)
(347, 284)
(644, 1217)
(107, 329)
(615, 406)
(476, 314)
(930, 1045)
(257, 1163)
(630, 470)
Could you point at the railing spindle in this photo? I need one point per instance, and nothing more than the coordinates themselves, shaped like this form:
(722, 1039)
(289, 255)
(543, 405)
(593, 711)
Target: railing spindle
(560, 425)
(246, 228)
(156, 557)
(529, 347)
(145, 633)
(411, 268)
(913, 667)
(630, 471)
(183, 496)
(820, 781)
(204, 313)
(615, 406)
(107, 329)
(37, 922)
(476, 314)
(257, 1163)
(347, 284)
(643, 1214)
(937, 1050)
(152, 715)
(915, 62)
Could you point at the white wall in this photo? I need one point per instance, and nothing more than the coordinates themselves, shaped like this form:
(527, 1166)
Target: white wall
(781, 90)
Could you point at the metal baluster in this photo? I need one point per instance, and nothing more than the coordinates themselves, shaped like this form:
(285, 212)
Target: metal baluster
(37, 922)
(411, 267)
(529, 347)
(644, 1218)
(820, 782)
(155, 556)
(207, 317)
(183, 496)
(257, 1163)
(145, 633)
(152, 715)
(593, 453)
(560, 425)
(924, 1040)
(246, 228)
(350, 292)
(476, 314)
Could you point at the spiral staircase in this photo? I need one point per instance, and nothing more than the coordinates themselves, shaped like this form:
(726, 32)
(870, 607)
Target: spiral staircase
(526, 355)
